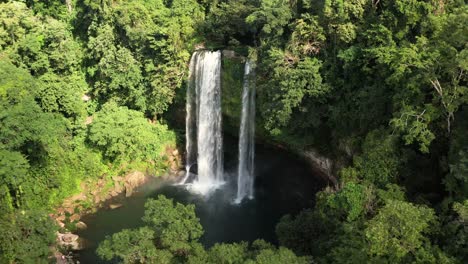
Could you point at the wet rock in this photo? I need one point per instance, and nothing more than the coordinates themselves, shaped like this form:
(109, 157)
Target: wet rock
(128, 192)
(181, 173)
(229, 53)
(115, 206)
(132, 181)
(81, 225)
(194, 169)
(322, 163)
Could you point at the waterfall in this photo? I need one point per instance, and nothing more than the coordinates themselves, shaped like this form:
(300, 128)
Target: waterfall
(203, 121)
(245, 171)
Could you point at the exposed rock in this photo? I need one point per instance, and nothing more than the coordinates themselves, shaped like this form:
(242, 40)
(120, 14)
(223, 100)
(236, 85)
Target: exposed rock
(322, 163)
(115, 206)
(200, 46)
(118, 188)
(101, 183)
(229, 53)
(69, 237)
(78, 197)
(70, 241)
(117, 178)
(60, 218)
(175, 152)
(69, 209)
(133, 180)
(181, 173)
(74, 217)
(61, 224)
(128, 192)
(81, 225)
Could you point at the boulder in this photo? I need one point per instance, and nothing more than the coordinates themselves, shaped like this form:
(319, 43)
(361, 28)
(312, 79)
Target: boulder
(61, 218)
(74, 217)
(81, 225)
(115, 206)
(70, 241)
(69, 237)
(60, 224)
(133, 180)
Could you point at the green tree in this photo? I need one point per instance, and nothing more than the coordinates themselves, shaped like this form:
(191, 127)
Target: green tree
(26, 237)
(125, 135)
(133, 246)
(399, 229)
(175, 224)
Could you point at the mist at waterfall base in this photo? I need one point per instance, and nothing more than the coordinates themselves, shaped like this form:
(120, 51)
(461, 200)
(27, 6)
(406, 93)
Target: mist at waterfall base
(284, 184)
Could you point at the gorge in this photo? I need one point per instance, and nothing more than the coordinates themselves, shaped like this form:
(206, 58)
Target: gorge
(269, 131)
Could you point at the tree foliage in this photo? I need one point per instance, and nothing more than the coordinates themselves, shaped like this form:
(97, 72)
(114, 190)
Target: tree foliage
(171, 235)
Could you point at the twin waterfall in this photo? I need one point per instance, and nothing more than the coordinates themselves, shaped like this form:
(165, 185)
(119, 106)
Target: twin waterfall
(204, 140)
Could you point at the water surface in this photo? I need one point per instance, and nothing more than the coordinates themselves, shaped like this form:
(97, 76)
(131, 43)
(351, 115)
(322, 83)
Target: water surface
(284, 184)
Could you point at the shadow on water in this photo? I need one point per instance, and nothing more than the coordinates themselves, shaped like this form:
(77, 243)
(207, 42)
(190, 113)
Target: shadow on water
(284, 185)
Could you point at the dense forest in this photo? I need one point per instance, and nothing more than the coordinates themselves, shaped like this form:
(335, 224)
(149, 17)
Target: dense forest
(91, 89)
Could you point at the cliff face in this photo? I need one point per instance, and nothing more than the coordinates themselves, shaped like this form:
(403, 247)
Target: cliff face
(232, 78)
(232, 81)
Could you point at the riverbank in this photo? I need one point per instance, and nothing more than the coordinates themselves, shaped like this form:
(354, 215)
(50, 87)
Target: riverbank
(100, 193)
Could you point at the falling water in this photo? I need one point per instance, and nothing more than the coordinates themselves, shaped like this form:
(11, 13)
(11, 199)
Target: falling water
(190, 119)
(203, 120)
(245, 178)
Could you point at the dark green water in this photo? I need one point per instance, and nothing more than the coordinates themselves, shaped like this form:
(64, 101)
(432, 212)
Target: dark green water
(284, 184)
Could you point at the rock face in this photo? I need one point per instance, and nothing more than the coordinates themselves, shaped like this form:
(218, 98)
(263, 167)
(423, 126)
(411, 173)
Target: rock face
(132, 181)
(322, 163)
